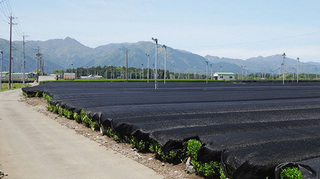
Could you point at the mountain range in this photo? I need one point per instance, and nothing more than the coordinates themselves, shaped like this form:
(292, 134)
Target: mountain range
(69, 53)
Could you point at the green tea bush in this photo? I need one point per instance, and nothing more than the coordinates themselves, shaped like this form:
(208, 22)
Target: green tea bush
(94, 126)
(291, 173)
(141, 145)
(60, 111)
(207, 170)
(82, 114)
(86, 121)
(77, 117)
(25, 94)
(193, 146)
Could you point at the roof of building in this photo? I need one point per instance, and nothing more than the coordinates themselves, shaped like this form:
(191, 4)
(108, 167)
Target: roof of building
(69, 74)
(224, 73)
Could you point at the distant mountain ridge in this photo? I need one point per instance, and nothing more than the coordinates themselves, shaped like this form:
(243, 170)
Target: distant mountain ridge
(69, 53)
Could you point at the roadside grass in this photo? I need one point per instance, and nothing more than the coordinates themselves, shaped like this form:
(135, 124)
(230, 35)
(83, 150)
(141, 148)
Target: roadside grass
(4, 86)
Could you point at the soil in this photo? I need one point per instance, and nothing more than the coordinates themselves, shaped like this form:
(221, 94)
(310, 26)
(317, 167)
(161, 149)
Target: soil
(147, 159)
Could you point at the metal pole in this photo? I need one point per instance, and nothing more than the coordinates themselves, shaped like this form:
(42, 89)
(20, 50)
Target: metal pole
(142, 76)
(284, 56)
(24, 61)
(207, 61)
(38, 59)
(148, 68)
(127, 64)
(298, 70)
(211, 76)
(9, 79)
(165, 64)
(1, 69)
(156, 63)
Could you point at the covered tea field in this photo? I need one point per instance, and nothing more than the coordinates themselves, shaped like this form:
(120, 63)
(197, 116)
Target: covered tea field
(254, 129)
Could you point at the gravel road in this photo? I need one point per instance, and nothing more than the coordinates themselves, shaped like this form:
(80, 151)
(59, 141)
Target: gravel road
(34, 146)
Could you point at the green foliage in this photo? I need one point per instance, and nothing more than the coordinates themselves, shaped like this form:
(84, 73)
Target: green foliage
(192, 148)
(94, 126)
(86, 121)
(82, 114)
(47, 97)
(60, 110)
(69, 114)
(291, 173)
(141, 145)
(173, 156)
(65, 112)
(155, 147)
(25, 94)
(37, 94)
(208, 170)
(77, 117)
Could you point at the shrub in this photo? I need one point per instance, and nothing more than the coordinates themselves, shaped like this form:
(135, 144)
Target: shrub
(77, 117)
(65, 112)
(86, 121)
(141, 145)
(208, 170)
(60, 111)
(291, 173)
(155, 147)
(94, 126)
(192, 148)
(25, 94)
(82, 114)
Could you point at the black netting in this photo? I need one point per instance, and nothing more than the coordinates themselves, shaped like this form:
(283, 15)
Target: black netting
(250, 127)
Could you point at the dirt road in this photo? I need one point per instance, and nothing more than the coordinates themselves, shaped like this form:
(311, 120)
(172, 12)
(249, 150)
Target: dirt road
(33, 146)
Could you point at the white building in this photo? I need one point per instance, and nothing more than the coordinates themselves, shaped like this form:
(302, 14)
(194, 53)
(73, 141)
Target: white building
(223, 76)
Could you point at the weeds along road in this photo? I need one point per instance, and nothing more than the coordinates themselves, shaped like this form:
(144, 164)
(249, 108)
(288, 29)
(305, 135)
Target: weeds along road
(34, 146)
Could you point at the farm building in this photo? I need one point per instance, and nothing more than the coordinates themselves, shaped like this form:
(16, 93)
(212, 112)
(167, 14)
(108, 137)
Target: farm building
(223, 76)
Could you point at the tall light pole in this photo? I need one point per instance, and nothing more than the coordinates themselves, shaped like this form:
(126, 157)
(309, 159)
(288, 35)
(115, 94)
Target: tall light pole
(211, 71)
(126, 64)
(148, 68)
(1, 69)
(207, 61)
(298, 61)
(156, 62)
(284, 56)
(142, 76)
(24, 61)
(165, 64)
(220, 68)
(38, 59)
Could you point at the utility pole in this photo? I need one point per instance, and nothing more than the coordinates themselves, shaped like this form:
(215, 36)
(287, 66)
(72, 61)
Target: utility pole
(298, 69)
(207, 61)
(142, 75)
(211, 71)
(1, 69)
(9, 79)
(148, 68)
(38, 60)
(24, 61)
(127, 64)
(156, 62)
(165, 64)
(284, 56)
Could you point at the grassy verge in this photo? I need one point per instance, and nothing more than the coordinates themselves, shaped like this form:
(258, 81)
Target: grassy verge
(4, 86)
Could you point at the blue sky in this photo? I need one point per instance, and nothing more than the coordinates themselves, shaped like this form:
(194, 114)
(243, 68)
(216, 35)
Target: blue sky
(234, 28)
